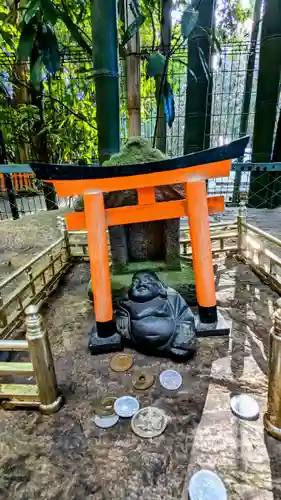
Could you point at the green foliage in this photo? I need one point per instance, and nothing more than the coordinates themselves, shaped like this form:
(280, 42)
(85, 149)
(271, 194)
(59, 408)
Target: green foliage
(155, 64)
(188, 22)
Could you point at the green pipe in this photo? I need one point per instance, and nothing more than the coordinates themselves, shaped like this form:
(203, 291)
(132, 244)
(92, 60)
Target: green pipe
(106, 73)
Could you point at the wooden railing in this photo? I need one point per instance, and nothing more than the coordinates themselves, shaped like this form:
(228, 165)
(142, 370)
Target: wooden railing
(223, 237)
(221, 232)
(31, 283)
(262, 253)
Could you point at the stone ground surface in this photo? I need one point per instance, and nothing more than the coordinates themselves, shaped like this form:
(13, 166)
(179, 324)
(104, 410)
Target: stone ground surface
(66, 457)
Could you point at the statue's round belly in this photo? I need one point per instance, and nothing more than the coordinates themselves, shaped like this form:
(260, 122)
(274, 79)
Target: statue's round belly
(152, 330)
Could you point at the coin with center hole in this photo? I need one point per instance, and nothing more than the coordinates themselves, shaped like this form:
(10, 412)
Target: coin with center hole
(142, 381)
(121, 362)
(105, 407)
(149, 422)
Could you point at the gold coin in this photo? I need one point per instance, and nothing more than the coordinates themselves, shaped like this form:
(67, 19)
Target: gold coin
(121, 362)
(149, 422)
(143, 381)
(105, 407)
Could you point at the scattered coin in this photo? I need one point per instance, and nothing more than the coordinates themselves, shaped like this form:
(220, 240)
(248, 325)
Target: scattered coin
(206, 485)
(126, 406)
(106, 422)
(245, 407)
(105, 407)
(142, 381)
(149, 422)
(121, 362)
(170, 379)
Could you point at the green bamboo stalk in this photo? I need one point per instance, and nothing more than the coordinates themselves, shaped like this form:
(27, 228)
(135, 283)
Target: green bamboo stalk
(248, 88)
(105, 59)
(199, 87)
(266, 102)
(165, 47)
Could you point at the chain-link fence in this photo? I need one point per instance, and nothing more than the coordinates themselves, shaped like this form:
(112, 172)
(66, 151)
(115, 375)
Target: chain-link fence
(68, 131)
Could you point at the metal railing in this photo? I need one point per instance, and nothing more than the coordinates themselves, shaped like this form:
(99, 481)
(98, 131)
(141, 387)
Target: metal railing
(259, 250)
(31, 284)
(44, 394)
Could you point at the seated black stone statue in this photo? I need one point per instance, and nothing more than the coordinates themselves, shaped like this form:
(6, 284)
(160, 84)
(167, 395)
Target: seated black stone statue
(152, 317)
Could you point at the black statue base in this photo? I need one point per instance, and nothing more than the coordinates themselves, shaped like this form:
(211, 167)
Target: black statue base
(103, 339)
(217, 329)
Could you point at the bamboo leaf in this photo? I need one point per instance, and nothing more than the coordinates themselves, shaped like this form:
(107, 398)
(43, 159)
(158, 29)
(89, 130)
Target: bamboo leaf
(26, 42)
(132, 30)
(155, 64)
(31, 9)
(36, 73)
(48, 47)
(188, 21)
(7, 37)
(50, 11)
(75, 32)
(204, 63)
(192, 74)
(4, 88)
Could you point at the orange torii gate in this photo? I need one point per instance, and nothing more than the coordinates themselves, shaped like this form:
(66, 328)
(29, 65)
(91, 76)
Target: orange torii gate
(192, 171)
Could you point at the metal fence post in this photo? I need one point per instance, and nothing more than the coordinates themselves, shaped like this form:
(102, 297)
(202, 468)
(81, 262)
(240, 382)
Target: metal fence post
(61, 225)
(241, 219)
(272, 418)
(11, 196)
(41, 357)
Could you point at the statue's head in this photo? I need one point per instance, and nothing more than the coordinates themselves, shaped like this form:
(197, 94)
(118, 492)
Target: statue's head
(146, 286)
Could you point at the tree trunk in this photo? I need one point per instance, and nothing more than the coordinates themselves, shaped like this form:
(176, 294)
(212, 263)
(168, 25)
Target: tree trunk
(20, 89)
(165, 47)
(20, 97)
(133, 80)
(40, 145)
(105, 47)
(266, 103)
(199, 81)
(248, 88)
(275, 187)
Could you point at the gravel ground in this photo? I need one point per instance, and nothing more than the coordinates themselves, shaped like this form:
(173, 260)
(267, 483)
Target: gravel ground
(66, 457)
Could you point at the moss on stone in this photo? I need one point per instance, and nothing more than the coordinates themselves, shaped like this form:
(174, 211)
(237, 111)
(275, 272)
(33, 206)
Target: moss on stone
(136, 150)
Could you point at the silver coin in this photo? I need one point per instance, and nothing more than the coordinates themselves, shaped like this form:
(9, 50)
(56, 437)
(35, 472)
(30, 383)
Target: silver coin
(149, 422)
(245, 407)
(206, 485)
(106, 422)
(170, 379)
(126, 406)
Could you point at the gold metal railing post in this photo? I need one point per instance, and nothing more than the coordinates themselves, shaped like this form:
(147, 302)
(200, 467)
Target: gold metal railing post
(41, 357)
(241, 219)
(272, 418)
(61, 225)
